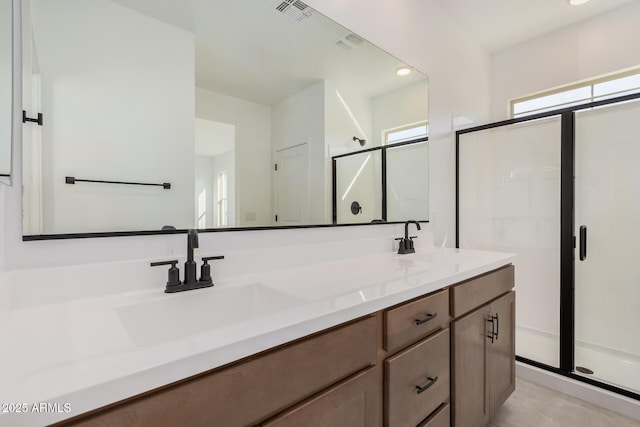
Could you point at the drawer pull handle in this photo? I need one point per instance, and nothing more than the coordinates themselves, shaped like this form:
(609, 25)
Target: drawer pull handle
(431, 382)
(430, 316)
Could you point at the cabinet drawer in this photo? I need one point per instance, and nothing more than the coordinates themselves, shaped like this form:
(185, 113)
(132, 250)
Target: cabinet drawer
(353, 402)
(410, 322)
(479, 290)
(440, 418)
(252, 390)
(417, 381)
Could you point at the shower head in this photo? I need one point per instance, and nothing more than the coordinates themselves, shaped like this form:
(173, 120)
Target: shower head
(361, 141)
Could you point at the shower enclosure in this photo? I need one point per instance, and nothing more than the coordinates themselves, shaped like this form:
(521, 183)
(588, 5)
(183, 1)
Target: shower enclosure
(388, 183)
(562, 190)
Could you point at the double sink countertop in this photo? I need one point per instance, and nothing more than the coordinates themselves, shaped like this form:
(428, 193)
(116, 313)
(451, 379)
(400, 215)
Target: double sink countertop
(82, 352)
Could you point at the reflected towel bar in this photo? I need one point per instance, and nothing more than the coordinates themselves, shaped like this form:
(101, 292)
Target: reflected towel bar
(73, 180)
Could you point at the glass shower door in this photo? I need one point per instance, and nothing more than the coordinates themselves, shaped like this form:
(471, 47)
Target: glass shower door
(509, 201)
(607, 257)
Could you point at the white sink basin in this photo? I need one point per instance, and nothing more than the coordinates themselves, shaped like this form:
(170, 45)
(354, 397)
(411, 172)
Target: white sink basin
(179, 315)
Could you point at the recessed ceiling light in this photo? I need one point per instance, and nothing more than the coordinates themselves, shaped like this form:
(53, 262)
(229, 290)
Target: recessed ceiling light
(403, 71)
(577, 2)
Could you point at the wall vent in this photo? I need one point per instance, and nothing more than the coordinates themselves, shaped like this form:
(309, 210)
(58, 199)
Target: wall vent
(350, 41)
(294, 9)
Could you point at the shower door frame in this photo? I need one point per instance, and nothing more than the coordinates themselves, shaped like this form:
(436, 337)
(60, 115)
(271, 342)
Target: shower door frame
(567, 237)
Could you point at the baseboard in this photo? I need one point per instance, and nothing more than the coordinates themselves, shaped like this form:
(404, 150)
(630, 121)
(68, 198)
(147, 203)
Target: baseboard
(594, 395)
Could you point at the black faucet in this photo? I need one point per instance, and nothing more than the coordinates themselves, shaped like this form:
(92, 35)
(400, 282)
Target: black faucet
(190, 282)
(406, 242)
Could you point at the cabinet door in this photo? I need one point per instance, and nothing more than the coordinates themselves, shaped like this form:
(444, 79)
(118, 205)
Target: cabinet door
(352, 403)
(469, 361)
(502, 352)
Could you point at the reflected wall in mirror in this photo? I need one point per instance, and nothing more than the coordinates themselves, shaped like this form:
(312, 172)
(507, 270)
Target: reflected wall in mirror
(5, 91)
(239, 106)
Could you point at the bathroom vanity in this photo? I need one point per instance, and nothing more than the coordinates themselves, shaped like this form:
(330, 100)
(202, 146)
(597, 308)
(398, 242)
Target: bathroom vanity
(429, 341)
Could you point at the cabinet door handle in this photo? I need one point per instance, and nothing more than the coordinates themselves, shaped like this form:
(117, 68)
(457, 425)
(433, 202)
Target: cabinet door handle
(429, 316)
(583, 242)
(431, 382)
(497, 326)
(492, 334)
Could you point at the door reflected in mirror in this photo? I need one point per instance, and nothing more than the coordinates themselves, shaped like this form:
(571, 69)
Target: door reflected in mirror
(239, 106)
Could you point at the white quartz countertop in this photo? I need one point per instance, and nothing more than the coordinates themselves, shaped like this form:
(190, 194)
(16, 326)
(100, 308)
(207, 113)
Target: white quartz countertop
(79, 354)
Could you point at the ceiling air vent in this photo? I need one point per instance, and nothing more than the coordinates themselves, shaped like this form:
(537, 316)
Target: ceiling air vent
(294, 9)
(349, 41)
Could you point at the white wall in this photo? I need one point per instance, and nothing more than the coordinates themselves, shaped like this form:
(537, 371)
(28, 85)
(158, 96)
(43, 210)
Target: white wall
(135, 125)
(588, 49)
(5, 87)
(347, 114)
(252, 152)
(422, 35)
(400, 107)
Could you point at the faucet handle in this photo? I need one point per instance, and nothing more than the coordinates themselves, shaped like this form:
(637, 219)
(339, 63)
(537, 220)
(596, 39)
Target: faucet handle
(205, 268)
(174, 272)
(209, 258)
(157, 263)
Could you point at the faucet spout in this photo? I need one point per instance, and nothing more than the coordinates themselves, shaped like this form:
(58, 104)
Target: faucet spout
(192, 243)
(406, 227)
(190, 265)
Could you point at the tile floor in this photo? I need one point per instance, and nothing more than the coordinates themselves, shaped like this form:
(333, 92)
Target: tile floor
(534, 406)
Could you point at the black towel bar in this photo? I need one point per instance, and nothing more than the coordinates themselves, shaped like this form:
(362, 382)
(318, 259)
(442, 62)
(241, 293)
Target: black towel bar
(73, 180)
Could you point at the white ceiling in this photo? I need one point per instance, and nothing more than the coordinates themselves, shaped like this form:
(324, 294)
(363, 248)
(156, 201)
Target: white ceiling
(248, 50)
(498, 24)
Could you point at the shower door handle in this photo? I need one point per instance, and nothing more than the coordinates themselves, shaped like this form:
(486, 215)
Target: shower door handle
(583, 242)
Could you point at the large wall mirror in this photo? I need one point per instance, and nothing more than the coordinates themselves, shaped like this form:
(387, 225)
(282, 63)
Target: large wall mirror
(5, 90)
(162, 114)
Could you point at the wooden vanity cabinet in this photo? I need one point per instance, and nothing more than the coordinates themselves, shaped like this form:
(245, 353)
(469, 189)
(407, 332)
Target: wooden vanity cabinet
(483, 347)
